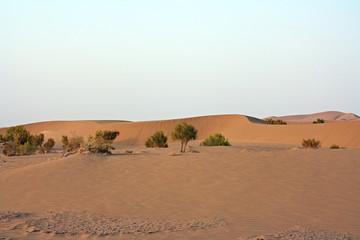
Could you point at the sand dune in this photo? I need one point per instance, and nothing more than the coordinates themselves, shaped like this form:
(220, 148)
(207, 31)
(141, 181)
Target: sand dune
(327, 116)
(263, 185)
(237, 128)
(251, 190)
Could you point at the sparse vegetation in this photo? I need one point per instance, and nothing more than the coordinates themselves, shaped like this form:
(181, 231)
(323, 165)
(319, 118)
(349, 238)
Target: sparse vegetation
(275, 122)
(158, 139)
(37, 142)
(184, 132)
(18, 135)
(49, 144)
(216, 140)
(73, 143)
(26, 149)
(9, 149)
(319, 120)
(334, 146)
(311, 143)
(101, 142)
(19, 141)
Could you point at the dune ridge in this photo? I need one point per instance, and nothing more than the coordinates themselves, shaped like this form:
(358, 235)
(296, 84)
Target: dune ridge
(327, 116)
(237, 128)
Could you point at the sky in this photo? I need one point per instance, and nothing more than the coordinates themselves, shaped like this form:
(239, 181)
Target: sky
(148, 60)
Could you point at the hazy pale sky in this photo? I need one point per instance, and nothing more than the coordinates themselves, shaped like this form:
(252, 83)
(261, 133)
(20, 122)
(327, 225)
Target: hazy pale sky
(147, 60)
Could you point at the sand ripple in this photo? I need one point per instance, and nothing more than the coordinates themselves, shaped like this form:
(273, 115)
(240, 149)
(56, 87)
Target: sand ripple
(6, 216)
(74, 223)
(304, 233)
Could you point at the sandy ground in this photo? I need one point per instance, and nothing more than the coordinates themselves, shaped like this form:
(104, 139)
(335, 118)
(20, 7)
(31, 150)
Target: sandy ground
(274, 191)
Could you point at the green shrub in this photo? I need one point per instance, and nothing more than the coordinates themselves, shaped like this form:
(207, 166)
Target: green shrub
(184, 132)
(2, 140)
(311, 143)
(318, 121)
(18, 135)
(19, 141)
(158, 139)
(50, 143)
(275, 122)
(334, 146)
(101, 142)
(26, 149)
(216, 140)
(37, 142)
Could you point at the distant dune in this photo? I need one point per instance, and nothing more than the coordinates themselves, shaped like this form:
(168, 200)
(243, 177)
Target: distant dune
(238, 128)
(327, 116)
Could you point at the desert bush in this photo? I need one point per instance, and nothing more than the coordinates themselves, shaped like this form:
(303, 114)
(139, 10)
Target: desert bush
(158, 139)
(275, 122)
(18, 135)
(72, 143)
(50, 143)
(26, 149)
(101, 142)
(318, 121)
(216, 140)
(37, 142)
(184, 132)
(19, 141)
(9, 149)
(65, 141)
(311, 143)
(334, 146)
(76, 142)
(2, 140)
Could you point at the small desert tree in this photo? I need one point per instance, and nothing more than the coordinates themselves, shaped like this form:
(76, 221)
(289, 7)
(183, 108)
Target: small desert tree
(216, 140)
(50, 143)
(101, 142)
(2, 140)
(158, 139)
(184, 132)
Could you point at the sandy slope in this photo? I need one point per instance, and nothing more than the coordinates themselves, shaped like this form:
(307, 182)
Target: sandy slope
(255, 189)
(237, 128)
(327, 116)
(262, 184)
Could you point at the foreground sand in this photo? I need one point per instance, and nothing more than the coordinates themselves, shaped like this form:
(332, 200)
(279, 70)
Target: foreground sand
(219, 193)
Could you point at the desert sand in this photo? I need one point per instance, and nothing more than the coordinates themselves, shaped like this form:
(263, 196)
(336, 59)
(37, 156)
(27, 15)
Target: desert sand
(262, 187)
(327, 116)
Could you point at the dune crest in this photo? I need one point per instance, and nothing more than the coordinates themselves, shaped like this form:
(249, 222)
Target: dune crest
(327, 116)
(237, 128)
